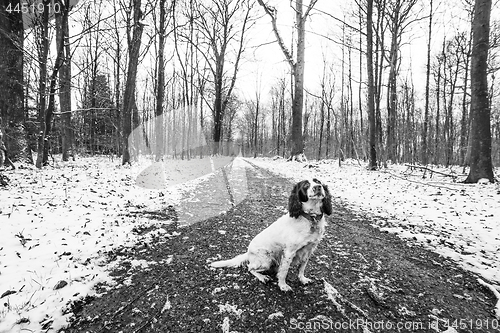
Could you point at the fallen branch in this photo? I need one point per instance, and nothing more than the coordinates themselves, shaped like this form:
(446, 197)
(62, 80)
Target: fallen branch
(431, 171)
(421, 183)
(496, 293)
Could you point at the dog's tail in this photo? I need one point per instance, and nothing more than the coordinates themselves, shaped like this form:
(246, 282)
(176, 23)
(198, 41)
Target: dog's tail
(235, 262)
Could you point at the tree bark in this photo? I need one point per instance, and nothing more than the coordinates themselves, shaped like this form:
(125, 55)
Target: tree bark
(298, 97)
(42, 84)
(160, 91)
(392, 91)
(129, 95)
(425, 152)
(12, 113)
(65, 84)
(371, 84)
(480, 131)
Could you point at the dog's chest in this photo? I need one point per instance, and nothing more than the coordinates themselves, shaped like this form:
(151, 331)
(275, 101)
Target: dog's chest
(311, 233)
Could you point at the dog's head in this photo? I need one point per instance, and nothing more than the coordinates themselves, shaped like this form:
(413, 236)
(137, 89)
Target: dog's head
(309, 193)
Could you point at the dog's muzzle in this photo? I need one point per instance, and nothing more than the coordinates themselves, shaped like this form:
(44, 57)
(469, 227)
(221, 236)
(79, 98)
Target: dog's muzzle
(318, 191)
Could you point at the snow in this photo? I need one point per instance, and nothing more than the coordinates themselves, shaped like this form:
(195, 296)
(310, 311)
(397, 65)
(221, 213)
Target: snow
(59, 223)
(334, 296)
(459, 221)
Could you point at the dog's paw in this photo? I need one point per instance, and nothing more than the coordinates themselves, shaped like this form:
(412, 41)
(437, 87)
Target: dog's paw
(261, 277)
(285, 287)
(305, 280)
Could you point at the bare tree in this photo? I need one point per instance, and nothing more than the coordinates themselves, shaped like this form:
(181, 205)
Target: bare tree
(425, 153)
(371, 85)
(278, 114)
(160, 83)
(257, 106)
(223, 25)
(129, 102)
(480, 130)
(398, 13)
(47, 107)
(63, 44)
(297, 68)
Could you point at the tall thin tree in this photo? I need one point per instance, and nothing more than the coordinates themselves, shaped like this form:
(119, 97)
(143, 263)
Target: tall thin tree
(297, 68)
(160, 89)
(63, 44)
(371, 85)
(129, 102)
(425, 129)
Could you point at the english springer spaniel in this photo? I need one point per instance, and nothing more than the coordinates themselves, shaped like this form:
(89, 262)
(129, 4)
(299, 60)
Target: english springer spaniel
(291, 239)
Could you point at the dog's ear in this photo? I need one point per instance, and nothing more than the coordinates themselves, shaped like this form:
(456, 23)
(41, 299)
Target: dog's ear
(302, 190)
(326, 207)
(294, 202)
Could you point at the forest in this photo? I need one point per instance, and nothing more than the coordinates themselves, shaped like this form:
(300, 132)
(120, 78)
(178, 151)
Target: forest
(387, 80)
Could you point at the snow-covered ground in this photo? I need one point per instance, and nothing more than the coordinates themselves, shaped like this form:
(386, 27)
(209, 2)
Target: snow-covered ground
(57, 223)
(459, 221)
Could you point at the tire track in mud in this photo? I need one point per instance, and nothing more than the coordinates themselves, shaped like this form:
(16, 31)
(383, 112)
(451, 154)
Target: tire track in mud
(365, 280)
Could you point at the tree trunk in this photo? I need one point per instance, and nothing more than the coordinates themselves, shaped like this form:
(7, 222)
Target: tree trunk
(437, 153)
(117, 87)
(392, 97)
(12, 113)
(256, 123)
(160, 90)
(480, 131)
(129, 95)
(465, 122)
(321, 126)
(371, 84)
(42, 84)
(218, 111)
(425, 152)
(298, 97)
(65, 85)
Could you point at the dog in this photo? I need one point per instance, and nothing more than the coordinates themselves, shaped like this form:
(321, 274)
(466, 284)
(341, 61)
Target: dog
(289, 240)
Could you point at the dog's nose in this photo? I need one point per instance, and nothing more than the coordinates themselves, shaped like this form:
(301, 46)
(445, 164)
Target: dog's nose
(317, 189)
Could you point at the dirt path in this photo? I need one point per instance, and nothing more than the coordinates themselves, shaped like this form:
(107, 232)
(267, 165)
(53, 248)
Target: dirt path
(366, 280)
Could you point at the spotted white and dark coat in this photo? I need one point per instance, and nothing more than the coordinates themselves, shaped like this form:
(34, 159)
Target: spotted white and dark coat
(291, 239)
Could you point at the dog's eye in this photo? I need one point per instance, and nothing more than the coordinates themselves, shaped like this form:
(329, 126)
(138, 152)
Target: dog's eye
(316, 181)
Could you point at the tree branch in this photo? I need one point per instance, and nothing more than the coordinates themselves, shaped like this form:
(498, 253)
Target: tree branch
(272, 12)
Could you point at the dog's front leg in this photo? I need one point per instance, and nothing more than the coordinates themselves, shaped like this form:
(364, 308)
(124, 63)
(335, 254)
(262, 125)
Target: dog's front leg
(303, 279)
(284, 266)
(307, 252)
